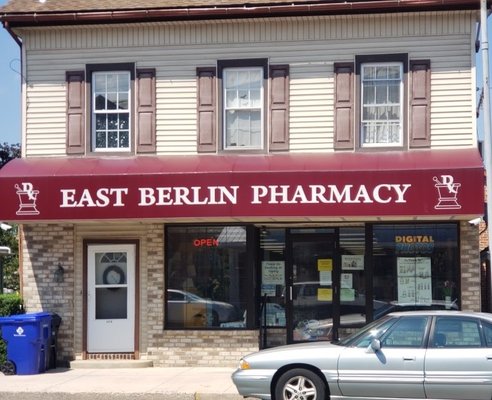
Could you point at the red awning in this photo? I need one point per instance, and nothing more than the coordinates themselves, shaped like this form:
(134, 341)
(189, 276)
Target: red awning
(429, 184)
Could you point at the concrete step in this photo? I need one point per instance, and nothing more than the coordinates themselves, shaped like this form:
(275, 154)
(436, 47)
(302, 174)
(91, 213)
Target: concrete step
(110, 364)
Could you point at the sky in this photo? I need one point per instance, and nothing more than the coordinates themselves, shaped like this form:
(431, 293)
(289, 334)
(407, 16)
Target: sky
(10, 85)
(10, 88)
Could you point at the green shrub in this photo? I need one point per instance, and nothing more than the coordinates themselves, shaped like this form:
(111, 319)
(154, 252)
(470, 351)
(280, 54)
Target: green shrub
(10, 304)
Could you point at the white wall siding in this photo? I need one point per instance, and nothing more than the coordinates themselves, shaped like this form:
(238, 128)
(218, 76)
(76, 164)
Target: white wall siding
(309, 45)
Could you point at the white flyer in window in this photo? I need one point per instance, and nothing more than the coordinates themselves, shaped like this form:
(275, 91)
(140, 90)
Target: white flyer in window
(273, 273)
(353, 262)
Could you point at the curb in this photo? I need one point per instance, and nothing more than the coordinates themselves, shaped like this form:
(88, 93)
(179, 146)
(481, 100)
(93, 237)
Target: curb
(117, 396)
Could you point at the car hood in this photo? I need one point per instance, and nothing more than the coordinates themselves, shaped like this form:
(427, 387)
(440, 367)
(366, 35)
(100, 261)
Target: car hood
(312, 352)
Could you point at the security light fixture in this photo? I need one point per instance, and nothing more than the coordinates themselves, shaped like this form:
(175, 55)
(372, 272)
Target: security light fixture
(5, 250)
(5, 227)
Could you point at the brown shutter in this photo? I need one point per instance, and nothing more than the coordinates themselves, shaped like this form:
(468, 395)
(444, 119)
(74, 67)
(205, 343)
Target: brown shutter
(145, 112)
(344, 106)
(419, 103)
(75, 112)
(279, 107)
(206, 109)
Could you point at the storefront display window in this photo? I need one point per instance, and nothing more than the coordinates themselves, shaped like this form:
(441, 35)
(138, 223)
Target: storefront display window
(206, 277)
(416, 266)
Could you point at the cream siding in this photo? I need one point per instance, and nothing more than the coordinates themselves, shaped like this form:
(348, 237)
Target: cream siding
(309, 45)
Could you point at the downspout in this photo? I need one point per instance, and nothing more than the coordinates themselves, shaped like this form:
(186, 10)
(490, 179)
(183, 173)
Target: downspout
(23, 90)
(486, 125)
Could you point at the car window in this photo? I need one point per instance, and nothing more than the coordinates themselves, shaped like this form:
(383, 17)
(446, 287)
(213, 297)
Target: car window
(175, 296)
(374, 330)
(407, 332)
(487, 331)
(456, 333)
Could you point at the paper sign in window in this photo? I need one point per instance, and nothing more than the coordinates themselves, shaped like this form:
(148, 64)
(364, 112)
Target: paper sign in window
(325, 294)
(273, 272)
(347, 294)
(325, 264)
(352, 262)
(346, 281)
(325, 278)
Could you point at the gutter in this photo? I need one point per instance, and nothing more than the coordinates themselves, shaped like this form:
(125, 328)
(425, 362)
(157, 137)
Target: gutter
(293, 9)
(6, 25)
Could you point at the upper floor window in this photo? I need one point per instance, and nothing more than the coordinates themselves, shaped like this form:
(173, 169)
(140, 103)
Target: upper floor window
(111, 110)
(243, 108)
(243, 105)
(382, 100)
(381, 104)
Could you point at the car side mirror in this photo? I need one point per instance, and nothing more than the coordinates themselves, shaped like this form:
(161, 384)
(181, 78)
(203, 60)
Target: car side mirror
(375, 345)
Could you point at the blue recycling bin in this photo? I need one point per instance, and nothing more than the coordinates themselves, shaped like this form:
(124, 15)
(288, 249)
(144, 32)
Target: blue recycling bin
(28, 339)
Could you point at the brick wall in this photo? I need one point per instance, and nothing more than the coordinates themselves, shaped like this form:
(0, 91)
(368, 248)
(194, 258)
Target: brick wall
(186, 347)
(201, 348)
(470, 267)
(44, 247)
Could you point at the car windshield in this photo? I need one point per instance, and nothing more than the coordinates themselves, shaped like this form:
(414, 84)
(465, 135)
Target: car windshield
(363, 337)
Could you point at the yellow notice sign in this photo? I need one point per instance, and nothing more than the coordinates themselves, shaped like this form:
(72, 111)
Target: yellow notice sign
(325, 264)
(325, 294)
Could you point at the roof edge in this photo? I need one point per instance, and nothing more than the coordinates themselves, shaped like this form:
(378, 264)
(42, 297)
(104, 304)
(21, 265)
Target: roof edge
(18, 19)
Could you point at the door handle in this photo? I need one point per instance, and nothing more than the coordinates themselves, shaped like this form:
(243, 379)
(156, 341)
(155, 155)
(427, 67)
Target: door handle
(408, 358)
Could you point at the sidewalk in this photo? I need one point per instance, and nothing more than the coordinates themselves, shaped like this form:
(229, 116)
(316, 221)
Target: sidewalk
(197, 383)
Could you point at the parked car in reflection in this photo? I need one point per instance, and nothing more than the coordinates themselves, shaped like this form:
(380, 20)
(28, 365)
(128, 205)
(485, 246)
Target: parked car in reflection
(322, 329)
(186, 309)
(409, 355)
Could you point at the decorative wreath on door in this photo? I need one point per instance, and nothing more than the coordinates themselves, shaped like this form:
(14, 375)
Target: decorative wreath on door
(113, 275)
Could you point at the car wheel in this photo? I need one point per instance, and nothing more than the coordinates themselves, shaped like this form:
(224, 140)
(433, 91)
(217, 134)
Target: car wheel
(300, 384)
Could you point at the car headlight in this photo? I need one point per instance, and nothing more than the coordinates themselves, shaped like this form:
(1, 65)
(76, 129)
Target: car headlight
(243, 364)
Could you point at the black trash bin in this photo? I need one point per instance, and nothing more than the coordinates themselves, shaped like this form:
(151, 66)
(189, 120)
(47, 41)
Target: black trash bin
(27, 337)
(53, 350)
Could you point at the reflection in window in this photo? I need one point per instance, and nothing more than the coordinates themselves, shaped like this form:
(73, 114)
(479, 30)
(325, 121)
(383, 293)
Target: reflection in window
(206, 277)
(457, 332)
(407, 332)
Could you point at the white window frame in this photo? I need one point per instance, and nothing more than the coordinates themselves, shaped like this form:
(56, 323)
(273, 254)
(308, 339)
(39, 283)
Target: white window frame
(107, 112)
(225, 109)
(400, 104)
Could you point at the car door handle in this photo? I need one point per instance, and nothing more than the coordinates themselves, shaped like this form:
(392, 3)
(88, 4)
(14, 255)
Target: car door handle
(408, 358)
(489, 357)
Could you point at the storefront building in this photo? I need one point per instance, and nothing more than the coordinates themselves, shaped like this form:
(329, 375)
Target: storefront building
(156, 237)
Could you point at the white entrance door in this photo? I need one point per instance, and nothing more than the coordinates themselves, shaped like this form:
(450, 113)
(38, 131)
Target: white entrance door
(111, 298)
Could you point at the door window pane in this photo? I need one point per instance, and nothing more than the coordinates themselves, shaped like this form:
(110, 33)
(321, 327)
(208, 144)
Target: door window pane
(353, 279)
(206, 277)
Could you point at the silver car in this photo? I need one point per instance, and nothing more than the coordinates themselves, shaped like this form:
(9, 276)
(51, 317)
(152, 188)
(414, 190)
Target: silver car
(404, 355)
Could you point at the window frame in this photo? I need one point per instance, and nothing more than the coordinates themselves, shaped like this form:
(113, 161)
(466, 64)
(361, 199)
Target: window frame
(382, 59)
(223, 65)
(91, 71)
(250, 317)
